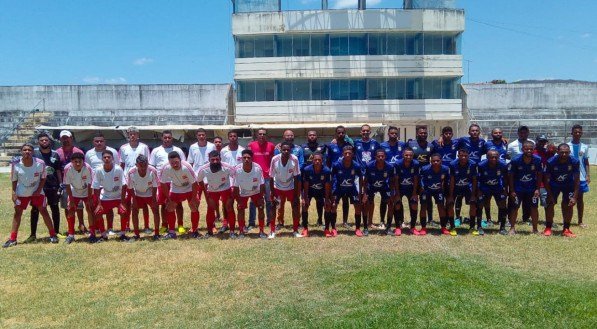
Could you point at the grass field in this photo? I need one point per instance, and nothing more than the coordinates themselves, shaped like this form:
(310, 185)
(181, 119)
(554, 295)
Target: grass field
(434, 281)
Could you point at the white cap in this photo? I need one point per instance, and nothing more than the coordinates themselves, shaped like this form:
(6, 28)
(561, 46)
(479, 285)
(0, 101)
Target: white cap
(66, 133)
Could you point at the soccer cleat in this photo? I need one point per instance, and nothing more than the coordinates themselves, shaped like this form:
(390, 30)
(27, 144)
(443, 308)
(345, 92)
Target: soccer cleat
(365, 232)
(397, 232)
(423, 231)
(223, 229)
(69, 239)
(547, 231)
(567, 233)
(358, 232)
(305, 232)
(453, 232)
(30, 239)
(163, 230)
(156, 237)
(296, 234)
(262, 235)
(457, 222)
(82, 229)
(334, 233)
(512, 231)
(473, 232)
(111, 232)
(445, 231)
(503, 231)
(279, 227)
(54, 239)
(480, 231)
(241, 235)
(414, 231)
(123, 238)
(535, 232)
(208, 235)
(169, 236)
(388, 232)
(327, 234)
(248, 229)
(147, 231)
(136, 237)
(195, 235)
(233, 235)
(181, 229)
(92, 239)
(346, 225)
(9, 243)
(319, 222)
(272, 235)
(381, 226)
(60, 236)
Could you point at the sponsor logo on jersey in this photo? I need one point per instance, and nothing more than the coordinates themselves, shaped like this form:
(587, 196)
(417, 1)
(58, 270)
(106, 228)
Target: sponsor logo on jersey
(116, 179)
(462, 182)
(316, 186)
(526, 178)
(255, 179)
(492, 182)
(435, 186)
(562, 178)
(379, 183)
(346, 182)
(407, 181)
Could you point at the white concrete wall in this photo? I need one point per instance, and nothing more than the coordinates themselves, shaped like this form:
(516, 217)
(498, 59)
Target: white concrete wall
(326, 67)
(344, 20)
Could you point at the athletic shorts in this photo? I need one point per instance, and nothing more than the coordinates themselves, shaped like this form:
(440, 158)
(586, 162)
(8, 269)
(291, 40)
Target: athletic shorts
(287, 195)
(438, 196)
(352, 198)
(316, 195)
(525, 199)
(465, 193)
(36, 201)
(220, 196)
(143, 201)
(486, 195)
(567, 194)
(385, 195)
(242, 201)
(583, 187)
(52, 195)
(64, 201)
(108, 205)
(77, 201)
(181, 197)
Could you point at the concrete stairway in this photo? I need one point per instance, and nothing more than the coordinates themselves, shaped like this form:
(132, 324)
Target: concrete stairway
(23, 132)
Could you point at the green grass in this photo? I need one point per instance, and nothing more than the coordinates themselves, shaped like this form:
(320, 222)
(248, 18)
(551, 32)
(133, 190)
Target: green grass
(436, 282)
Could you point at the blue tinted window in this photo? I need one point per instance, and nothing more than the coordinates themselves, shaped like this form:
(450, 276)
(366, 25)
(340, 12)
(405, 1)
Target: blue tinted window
(414, 44)
(284, 46)
(339, 45)
(320, 89)
(377, 44)
(264, 46)
(246, 91)
(301, 90)
(284, 90)
(265, 91)
(376, 89)
(300, 45)
(357, 89)
(245, 47)
(396, 89)
(432, 44)
(357, 44)
(340, 90)
(320, 45)
(396, 44)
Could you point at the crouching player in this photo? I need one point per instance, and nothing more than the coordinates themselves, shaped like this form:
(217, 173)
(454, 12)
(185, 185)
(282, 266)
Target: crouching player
(109, 193)
(218, 189)
(183, 187)
(344, 172)
(433, 179)
(78, 177)
(463, 185)
(317, 184)
(407, 172)
(248, 183)
(525, 174)
(493, 183)
(28, 177)
(562, 175)
(379, 178)
(143, 187)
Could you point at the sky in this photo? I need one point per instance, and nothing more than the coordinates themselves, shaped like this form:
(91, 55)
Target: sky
(189, 41)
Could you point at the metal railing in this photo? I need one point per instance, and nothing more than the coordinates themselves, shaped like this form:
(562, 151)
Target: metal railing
(10, 131)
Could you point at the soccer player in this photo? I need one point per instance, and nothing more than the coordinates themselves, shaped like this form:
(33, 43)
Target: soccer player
(344, 173)
(296, 150)
(423, 150)
(498, 143)
(562, 175)
(52, 185)
(378, 178)
(128, 156)
(335, 150)
(65, 151)
(231, 154)
(109, 189)
(198, 152)
(309, 149)
(525, 182)
(580, 152)
(433, 181)
(142, 183)
(285, 186)
(493, 176)
(248, 183)
(365, 148)
(463, 185)
(183, 187)
(407, 172)
(218, 143)
(159, 159)
(473, 143)
(78, 179)
(317, 184)
(541, 151)
(447, 149)
(394, 149)
(263, 152)
(515, 148)
(28, 177)
(217, 174)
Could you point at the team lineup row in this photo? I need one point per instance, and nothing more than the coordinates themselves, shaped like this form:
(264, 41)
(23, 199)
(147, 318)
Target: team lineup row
(445, 172)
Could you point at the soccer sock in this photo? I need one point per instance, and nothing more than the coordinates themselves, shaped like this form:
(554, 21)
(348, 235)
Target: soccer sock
(295, 223)
(110, 224)
(146, 219)
(194, 221)
(345, 205)
(34, 221)
(357, 221)
(452, 224)
(458, 206)
(429, 210)
(13, 236)
(502, 218)
(231, 220)
(388, 222)
(413, 215)
(100, 224)
(272, 225)
(327, 219)
(333, 218)
(442, 221)
(210, 219)
(71, 225)
(383, 208)
(319, 206)
(52, 232)
(136, 231)
(566, 225)
(305, 219)
(123, 224)
(171, 217)
(55, 211)
(478, 221)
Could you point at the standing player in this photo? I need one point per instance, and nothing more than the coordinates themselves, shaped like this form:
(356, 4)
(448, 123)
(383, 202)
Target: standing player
(562, 175)
(198, 152)
(580, 152)
(309, 149)
(78, 178)
(463, 185)
(515, 148)
(217, 175)
(28, 177)
(65, 151)
(248, 183)
(394, 149)
(493, 183)
(335, 150)
(285, 184)
(379, 178)
(365, 148)
(317, 184)
(407, 172)
(447, 147)
(498, 143)
(423, 150)
(344, 173)
(296, 150)
(183, 187)
(433, 181)
(109, 192)
(159, 159)
(263, 152)
(218, 144)
(525, 182)
(142, 183)
(231, 154)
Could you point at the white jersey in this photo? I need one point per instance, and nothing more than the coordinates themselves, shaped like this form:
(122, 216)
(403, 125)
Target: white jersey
(28, 178)
(218, 181)
(232, 158)
(128, 155)
(581, 153)
(143, 186)
(283, 175)
(248, 183)
(110, 183)
(198, 155)
(181, 180)
(159, 156)
(79, 181)
(94, 158)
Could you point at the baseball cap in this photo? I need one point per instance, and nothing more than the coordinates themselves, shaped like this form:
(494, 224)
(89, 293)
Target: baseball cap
(542, 137)
(66, 133)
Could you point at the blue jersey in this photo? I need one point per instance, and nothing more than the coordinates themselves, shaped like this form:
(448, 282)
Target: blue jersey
(463, 175)
(365, 151)
(562, 174)
(379, 180)
(524, 174)
(297, 151)
(492, 179)
(344, 178)
(501, 148)
(422, 153)
(434, 181)
(448, 151)
(308, 151)
(475, 148)
(334, 152)
(393, 153)
(405, 175)
(317, 181)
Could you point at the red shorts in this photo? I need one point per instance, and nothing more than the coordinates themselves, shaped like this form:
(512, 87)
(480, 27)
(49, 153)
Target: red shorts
(161, 196)
(243, 200)
(181, 197)
(76, 201)
(36, 201)
(143, 201)
(220, 196)
(108, 205)
(287, 195)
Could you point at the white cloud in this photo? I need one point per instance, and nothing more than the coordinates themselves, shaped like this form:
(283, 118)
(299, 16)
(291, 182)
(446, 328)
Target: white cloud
(91, 80)
(142, 61)
(97, 80)
(344, 4)
(115, 80)
(586, 35)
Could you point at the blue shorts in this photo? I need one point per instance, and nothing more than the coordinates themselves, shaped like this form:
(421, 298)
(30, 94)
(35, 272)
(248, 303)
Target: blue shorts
(385, 194)
(438, 196)
(352, 198)
(584, 187)
(497, 195)
(567, 194)
(465, 193)
(525, 199)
